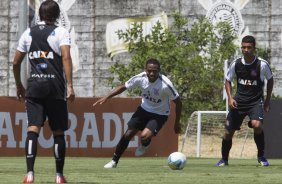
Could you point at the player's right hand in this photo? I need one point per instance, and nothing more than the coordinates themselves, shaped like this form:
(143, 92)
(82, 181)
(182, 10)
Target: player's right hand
(232, 104)
(100, 101)
(20, 92)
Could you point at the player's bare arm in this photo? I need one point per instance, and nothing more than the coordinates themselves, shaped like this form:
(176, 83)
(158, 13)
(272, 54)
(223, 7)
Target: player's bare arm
(178, 109)
(19, 56)
(231, 102)
(115, 92)
(67, 63)
(268, 95)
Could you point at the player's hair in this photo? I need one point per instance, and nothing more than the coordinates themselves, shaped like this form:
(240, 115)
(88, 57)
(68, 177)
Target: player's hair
(153, 61)
(249, 39)
(49, 11)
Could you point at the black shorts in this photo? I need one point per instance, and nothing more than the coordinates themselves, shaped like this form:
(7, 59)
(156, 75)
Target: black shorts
(56, 110)
(235, 117)
(142, 119)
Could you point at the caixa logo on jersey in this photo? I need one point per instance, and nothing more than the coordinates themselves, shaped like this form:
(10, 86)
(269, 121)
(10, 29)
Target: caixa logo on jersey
(41, 54)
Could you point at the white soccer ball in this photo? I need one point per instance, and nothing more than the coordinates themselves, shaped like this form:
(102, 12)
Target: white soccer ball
(176, 161)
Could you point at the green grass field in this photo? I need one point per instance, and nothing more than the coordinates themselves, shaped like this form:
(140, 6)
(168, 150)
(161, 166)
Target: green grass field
(145, 171)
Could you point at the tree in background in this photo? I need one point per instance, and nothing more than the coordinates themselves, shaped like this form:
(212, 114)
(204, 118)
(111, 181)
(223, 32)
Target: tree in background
(193, 58)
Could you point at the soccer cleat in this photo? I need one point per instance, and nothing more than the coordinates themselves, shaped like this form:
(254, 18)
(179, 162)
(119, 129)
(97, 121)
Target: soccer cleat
(29, 177)
(111, 164)
(262, 161)
(140, 150)
(222, 163)
(60, 178)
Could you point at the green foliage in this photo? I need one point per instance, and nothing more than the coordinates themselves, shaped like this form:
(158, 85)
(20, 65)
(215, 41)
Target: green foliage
(264, 53)
(193, 58)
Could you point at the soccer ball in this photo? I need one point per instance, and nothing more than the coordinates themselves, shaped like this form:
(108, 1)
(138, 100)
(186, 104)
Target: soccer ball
(176, 161)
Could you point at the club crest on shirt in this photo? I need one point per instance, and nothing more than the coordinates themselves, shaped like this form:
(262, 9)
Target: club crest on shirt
(254, 73)
(41, 27)
(156, 91)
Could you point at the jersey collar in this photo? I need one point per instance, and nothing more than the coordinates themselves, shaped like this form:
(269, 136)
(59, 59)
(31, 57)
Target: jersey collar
(245, 63)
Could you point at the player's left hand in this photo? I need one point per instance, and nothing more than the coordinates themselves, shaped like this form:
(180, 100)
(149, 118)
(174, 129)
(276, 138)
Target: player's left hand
(71, 95)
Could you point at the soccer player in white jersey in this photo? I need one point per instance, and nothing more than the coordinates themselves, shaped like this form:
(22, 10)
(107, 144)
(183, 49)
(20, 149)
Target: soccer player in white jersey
(250, 72)
(157, 92)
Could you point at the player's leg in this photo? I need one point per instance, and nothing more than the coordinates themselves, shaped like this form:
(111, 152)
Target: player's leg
(226, 145)
(135, 124)
(36, 117)
(256, 116)
(152, 128)
(59, 151)
(146, 136)
(233, 122)
(121, 147)
(31, 152)
(124, 141)
(57, 113)
(259, 140)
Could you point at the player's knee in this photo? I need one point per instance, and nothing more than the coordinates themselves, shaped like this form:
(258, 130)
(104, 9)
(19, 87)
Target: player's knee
(256, 125)
(228, 136)
(129, 134)
(145, 135)
(32, 135)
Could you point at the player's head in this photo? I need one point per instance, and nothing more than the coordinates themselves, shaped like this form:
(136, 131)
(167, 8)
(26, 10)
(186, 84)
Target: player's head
(249, 39)
(49, 11)
(248, 46)
(152, 69)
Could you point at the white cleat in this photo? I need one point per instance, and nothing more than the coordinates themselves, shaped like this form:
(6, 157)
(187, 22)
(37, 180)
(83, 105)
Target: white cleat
(140, 150)
(111, 164)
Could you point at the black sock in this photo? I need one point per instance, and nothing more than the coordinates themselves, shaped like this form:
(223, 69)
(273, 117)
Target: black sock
(121, 147)
(259, 140)
(59, 152)
(31, 150)
(145, 142)
(225, 148)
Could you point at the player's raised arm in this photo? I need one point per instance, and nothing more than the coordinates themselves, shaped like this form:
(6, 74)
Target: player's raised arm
(115, 92)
